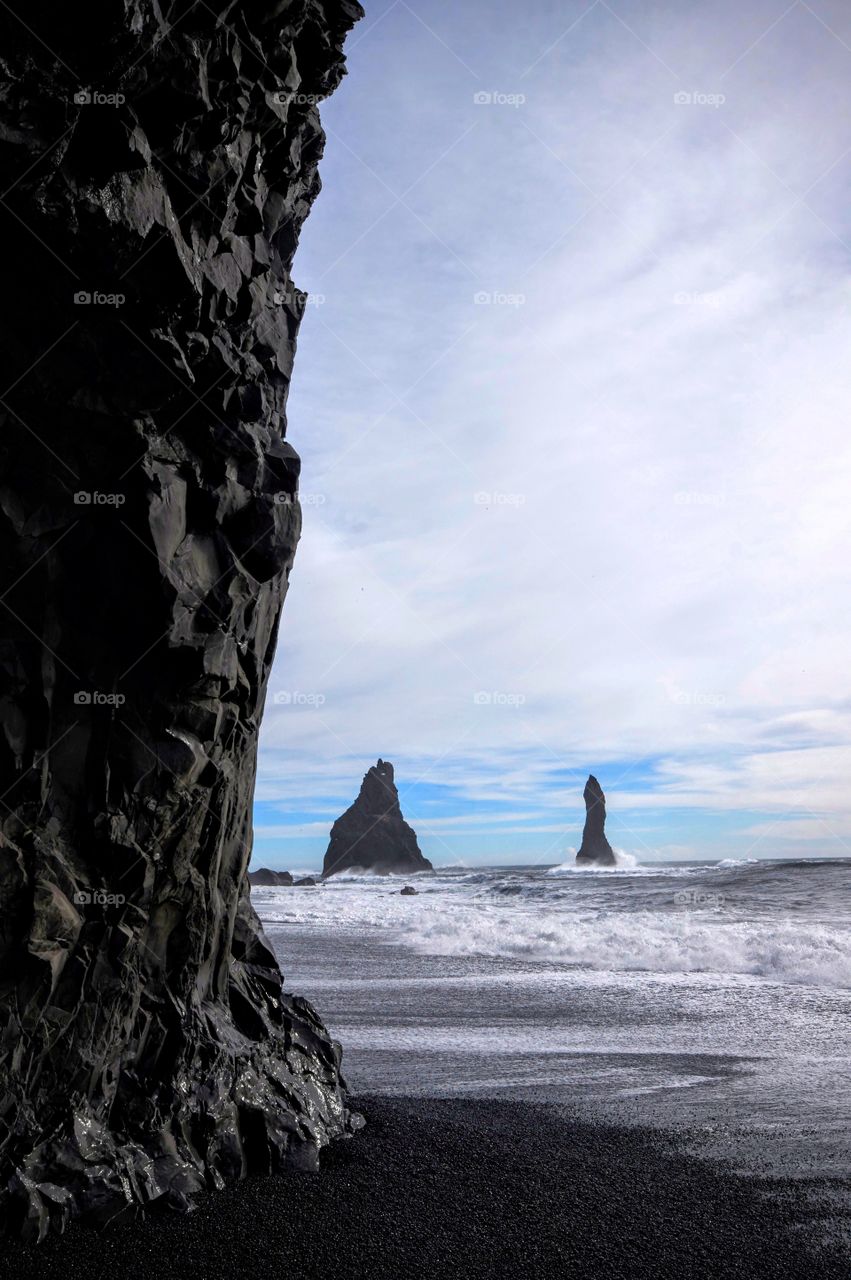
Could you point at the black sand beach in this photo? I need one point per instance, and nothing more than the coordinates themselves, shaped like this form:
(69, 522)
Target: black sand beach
(435, 1188)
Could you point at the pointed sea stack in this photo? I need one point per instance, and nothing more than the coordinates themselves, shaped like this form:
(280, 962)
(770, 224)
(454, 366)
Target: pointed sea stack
(595, 849)
(372, 835)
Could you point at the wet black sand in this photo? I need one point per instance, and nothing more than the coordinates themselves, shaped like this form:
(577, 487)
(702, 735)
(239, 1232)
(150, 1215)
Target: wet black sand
(470, 1189)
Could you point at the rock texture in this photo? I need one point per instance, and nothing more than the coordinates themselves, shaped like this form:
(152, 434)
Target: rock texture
(595, 848)
(158, 162)
(266, 878)
(372, 835)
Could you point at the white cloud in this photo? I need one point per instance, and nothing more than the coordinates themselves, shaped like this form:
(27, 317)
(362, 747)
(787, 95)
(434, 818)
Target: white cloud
(661, 424)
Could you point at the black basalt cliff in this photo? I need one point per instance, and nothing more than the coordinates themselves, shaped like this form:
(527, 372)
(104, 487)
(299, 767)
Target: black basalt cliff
(372, 835)
(595, 848)
(158, 161)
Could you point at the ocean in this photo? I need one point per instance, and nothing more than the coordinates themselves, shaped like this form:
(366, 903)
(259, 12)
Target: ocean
(712, 999)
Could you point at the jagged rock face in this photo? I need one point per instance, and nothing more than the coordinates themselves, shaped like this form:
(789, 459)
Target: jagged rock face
(156, 176)
(595, 848)
(372, 835)
(266, 878)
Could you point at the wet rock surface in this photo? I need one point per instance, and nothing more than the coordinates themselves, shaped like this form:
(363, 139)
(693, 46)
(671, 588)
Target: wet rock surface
(157, 170)
(372, 835)
(595, 848)
(266, 878)
(489, 1181)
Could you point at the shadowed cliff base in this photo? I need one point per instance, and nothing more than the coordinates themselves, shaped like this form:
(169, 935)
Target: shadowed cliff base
(474, 1189)
(157, 171)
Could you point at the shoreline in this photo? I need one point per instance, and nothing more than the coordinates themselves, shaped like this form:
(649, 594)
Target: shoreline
(474, 1188)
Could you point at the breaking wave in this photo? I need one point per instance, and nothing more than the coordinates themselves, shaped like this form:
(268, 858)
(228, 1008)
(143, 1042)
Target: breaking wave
(648, 942)
(625, 862)
(783, 923)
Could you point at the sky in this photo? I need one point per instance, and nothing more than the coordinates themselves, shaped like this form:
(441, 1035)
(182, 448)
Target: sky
(573, 404)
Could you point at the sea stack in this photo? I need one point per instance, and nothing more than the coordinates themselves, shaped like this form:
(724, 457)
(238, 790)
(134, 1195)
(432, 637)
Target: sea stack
(265, 878)
(372, 835)
(595, 849)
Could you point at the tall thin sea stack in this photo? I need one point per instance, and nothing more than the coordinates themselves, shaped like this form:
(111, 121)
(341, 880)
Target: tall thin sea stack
(595, 849)
(158, 163)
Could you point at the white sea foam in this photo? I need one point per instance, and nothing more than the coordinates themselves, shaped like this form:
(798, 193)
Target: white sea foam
(645, 941)
(625, 862)
(690, 935)
(666, 992)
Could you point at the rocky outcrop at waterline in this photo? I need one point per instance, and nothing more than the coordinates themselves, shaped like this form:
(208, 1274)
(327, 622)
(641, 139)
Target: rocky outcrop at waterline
(595, 849)
(372, 835)
(158, 163)
(266, 878)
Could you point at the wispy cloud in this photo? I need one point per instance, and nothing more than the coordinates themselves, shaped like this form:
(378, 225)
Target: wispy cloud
(573, 416)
